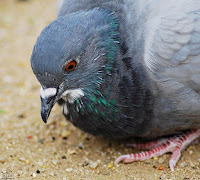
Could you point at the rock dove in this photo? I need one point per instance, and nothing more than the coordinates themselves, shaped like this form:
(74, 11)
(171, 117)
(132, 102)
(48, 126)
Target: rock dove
(124, 69)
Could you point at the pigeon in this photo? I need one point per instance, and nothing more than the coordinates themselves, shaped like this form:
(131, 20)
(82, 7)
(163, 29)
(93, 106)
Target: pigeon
(123, 68)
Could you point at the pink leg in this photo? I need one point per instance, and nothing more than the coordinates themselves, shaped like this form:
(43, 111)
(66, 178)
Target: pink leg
(196, 141)
(148, 145)
(175, 145)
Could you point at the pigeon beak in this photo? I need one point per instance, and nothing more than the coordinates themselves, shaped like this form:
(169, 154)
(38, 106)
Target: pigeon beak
(46, 107)
(48, 97)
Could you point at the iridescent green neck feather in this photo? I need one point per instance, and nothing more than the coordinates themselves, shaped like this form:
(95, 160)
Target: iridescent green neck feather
(95, 103)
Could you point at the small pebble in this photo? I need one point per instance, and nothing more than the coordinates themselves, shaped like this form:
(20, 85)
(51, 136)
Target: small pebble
(155, 158)
(41, 141)
(85, 164)
(110, 165)
(27, 161)
(93, 165)
(105, 173)
(69, 169)
(2, 159)
(65, 133)
(19, 172)
(51, 126)
(29, 137)
(192, 164)
(63, 124)
(63, 157)
(87, 138)
(40, 163)
(183, 164)
(52, 173)
(21, 116)
(81, 146)
(161, 161)
(38, 171)
(160, 168)
(53, 138)
(154, 166)
(34, 175)
(71, 151)
(190, 152)
(87, 153)
(22, 159)
(54, 161)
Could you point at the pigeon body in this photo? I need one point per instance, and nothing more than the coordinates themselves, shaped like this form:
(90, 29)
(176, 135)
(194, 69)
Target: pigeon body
(137, 65)
(122, 68)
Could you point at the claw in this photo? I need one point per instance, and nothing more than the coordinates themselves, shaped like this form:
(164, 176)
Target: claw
(123, 158)
(174, 145)
(172, 164)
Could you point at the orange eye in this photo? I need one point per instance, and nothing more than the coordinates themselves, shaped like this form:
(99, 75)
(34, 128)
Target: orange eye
(71, 66)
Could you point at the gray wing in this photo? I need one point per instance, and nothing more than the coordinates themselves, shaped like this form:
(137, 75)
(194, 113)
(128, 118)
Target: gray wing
(172, 43)
(69, 6)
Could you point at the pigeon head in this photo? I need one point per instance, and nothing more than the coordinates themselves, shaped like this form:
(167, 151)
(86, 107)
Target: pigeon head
(70, 55)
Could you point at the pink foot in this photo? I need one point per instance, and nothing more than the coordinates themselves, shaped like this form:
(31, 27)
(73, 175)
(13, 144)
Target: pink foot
(148, 145)
(174, 145)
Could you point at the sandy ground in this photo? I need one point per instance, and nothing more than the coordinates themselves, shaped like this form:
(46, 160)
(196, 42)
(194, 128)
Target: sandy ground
(56, 150)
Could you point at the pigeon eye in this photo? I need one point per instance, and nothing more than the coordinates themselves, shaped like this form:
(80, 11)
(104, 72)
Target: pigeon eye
(71, 66)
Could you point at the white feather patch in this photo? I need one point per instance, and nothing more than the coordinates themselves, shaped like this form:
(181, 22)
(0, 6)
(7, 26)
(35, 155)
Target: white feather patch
(47, 92)
(72, 95)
